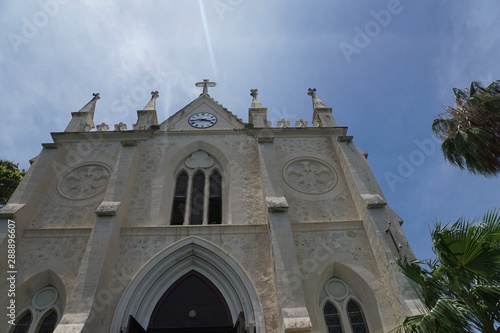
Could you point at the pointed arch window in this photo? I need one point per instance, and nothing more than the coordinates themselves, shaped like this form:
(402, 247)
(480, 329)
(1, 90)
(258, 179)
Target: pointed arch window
(197, 198)
(198, 192)
(49, 322)
(23, 325)
(342, 311)
(41, 314)
(215, 199)
(332, 318)
(356, 317)
(180, 196)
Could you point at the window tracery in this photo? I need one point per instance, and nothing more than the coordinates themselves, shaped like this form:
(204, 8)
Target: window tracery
(342, 311)
(197, 196)
(41, 314)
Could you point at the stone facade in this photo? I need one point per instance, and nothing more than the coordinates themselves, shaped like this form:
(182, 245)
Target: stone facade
(303, 223)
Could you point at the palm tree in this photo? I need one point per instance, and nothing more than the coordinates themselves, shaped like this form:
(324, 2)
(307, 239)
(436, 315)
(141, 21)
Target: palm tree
(470, 131)
(461, 287)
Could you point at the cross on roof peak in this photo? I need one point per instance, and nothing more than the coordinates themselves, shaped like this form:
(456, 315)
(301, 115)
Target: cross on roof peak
(205, 84)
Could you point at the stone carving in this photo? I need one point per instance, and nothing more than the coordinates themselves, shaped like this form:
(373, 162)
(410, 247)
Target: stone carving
(102, 127)
(84, 181)
(120, 127)
(309, 176)
(199, 159)
(301, 123)
(337, 289)
(283, 123)
(45, 298)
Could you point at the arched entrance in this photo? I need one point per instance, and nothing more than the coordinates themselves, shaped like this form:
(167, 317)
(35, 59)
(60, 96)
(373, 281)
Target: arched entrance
(196, 269)
(193, 304)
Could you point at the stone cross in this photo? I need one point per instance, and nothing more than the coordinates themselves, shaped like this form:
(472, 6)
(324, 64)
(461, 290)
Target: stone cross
(205, 84)
(317, 103)
(254, 93)
(311, 92)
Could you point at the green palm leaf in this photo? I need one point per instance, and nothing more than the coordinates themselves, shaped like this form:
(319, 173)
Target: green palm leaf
(461, 287)
(470, 131)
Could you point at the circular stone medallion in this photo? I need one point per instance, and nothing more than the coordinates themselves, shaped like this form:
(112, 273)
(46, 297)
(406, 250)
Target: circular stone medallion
(336, 289)
(45, 298)
(84, 181)
(309, 176)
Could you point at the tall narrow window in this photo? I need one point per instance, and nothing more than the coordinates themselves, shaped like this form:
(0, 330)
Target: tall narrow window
(49, 323)
(215, 199)
(23, 325)
(332, 318)
(197, 198)
(356, 317)
(179, 204)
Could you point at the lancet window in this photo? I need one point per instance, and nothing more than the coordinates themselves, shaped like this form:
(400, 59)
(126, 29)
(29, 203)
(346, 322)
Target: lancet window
(342, 312)
(197, 196)
(41, 313)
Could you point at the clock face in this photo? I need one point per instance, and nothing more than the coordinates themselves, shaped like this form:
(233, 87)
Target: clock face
(202, 120)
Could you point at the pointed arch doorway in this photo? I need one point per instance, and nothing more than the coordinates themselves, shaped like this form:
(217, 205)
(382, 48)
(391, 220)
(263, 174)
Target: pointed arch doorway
(190, 259)
(193, 304)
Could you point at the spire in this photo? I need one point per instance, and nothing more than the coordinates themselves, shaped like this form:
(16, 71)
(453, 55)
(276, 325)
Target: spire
(255, 101)
(147, 117)
(257, 113)
(322, 114)
(152, 102)
(83, 120)
(90, 106)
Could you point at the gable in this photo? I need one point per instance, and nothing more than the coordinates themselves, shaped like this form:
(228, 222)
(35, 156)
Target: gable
(202, 114)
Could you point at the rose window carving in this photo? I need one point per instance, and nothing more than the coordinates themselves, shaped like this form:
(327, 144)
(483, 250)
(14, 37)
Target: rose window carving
(84, 181)
(309, 176)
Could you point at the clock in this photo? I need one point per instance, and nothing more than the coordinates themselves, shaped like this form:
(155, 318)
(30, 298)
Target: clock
(202, 120)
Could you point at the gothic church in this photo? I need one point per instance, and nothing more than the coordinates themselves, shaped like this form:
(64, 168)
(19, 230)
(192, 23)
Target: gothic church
(203, 223)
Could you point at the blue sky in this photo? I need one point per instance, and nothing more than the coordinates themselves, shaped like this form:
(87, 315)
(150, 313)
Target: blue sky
(386, 67)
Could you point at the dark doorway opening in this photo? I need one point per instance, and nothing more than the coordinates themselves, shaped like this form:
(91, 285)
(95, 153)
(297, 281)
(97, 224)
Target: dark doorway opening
(193, 304)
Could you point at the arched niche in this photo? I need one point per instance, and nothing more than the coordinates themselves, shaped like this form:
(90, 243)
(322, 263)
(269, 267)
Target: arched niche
(363, 284)
(175, 164)
(190, 254)
(40, 294)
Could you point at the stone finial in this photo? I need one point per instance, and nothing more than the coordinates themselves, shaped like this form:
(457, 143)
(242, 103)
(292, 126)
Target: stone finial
(283, 123)
(257, 113)
(322, 115)
(317, 103)
(147, 117)
(205, 84)
(152, 102)
(83, 120)
(120, 127)
(255, 101)
(301, 123)
(90, 106)
(102, 127)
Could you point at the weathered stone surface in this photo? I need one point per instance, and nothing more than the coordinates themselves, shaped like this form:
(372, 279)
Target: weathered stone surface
(300, 209)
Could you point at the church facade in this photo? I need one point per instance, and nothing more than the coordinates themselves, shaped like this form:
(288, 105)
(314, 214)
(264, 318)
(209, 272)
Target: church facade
(202, 223)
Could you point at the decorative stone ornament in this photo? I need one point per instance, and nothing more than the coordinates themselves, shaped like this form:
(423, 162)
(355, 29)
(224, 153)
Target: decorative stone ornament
(45, 298)
(336, 289)
(205, 84)
(309, 176)
(84, 181)
(199, 159)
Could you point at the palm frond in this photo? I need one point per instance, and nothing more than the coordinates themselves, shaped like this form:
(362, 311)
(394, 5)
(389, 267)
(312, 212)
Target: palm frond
(445, 317)
(470, 130)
